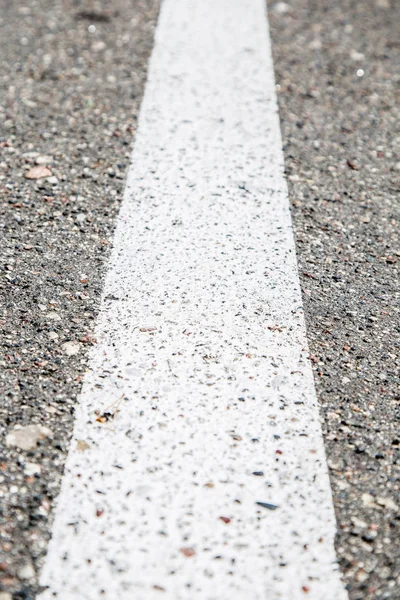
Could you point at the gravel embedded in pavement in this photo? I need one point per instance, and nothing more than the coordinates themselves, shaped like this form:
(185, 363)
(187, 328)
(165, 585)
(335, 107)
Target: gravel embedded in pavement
(72, 76)
(71, 82)
(337, 69)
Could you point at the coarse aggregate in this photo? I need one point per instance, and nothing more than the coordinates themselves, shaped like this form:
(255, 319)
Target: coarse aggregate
(337, 68)
(71, 80)
(72, 76)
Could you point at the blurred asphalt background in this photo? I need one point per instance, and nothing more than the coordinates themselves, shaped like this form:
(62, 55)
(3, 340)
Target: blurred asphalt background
(71, 79)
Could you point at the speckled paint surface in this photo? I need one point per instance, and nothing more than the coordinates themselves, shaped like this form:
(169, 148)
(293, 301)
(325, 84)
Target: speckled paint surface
(197, 468)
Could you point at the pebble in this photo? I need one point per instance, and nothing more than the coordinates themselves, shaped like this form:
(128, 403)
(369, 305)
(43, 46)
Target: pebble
(26, 571)
(43, 160)
(39, 172)
(98, 46)
(71, 348)
(379, 502)
(368, 500)
(356, 56)
(281, 8)
(360, 449)
(386, 503)
(315, 45)
(31, 469)
(54, 316)
(358, 522)
(27, 437)
(370, 535)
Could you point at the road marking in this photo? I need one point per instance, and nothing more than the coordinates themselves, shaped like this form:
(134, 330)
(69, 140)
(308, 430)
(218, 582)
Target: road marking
(197, 468)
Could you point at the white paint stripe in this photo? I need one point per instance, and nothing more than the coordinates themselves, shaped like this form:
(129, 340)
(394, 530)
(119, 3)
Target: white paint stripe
(222, 389)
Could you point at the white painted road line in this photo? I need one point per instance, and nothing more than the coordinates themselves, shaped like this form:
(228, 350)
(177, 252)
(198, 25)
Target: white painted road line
(197, 469)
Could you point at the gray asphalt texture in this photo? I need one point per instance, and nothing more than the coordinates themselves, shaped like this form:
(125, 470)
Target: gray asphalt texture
(342, 153)
(73, 95)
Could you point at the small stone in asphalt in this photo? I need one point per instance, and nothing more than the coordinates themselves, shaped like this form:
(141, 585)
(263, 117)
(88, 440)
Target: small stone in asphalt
(281, 8)
(71, 348)
(26, 571)
(39, 172)
(370, 535)
(43, 160)
(26, 438)
(31, 469)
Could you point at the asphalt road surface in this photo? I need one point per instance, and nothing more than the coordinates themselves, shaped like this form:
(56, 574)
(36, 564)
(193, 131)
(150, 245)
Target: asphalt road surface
(71, 83)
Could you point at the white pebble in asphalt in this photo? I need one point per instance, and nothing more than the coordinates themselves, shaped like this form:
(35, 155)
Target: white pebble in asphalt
(197, 469)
